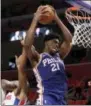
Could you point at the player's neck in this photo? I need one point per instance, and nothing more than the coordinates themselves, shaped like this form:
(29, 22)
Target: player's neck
(46, 50)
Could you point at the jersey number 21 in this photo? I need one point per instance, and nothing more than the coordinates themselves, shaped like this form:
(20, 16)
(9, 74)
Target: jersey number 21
(55, 67)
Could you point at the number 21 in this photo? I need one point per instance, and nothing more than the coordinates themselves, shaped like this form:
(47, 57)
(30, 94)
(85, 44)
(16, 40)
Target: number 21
(55, 67)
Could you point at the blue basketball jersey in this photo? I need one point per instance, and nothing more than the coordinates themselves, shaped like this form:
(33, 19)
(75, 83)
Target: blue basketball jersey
(50, 76)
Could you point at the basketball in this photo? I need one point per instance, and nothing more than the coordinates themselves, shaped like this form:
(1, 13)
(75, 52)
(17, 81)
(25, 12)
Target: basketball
(47, 17)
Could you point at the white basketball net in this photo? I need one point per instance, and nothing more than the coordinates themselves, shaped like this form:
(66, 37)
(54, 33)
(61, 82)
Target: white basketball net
(81, 22)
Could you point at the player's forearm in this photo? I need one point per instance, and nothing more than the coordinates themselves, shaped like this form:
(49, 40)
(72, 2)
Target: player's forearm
(30, 33)
(22, 62)
(29, 39)
(66, 33)
(21, 69)
(22, 78)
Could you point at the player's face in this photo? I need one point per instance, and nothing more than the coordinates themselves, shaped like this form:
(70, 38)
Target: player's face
(53, 46)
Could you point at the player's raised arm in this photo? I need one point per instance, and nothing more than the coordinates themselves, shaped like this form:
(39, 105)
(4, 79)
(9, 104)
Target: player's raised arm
(66, 45)
(30, 33)
(21, 63)
(29, 39)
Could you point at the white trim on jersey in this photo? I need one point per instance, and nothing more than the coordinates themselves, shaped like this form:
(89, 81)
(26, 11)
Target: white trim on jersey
(39, 83)
(39, 101)
(39, 61)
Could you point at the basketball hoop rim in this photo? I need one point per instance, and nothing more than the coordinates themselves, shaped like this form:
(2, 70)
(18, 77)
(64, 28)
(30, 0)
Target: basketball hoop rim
(75, 17)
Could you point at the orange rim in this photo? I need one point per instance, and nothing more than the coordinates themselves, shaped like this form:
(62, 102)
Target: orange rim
(77, 17)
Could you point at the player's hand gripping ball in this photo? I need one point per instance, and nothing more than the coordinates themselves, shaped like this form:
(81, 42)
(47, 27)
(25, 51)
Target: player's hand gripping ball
(48, 16)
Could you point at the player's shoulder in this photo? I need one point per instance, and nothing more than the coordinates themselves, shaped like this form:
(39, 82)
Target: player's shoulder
(44, 54)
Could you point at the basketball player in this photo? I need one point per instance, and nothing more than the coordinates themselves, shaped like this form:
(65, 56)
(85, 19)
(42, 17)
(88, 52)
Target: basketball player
(18, 96)
(48, 66)
(7, 86)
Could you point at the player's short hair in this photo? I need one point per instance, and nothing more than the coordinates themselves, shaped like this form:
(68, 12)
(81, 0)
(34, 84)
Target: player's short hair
(51, 36)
